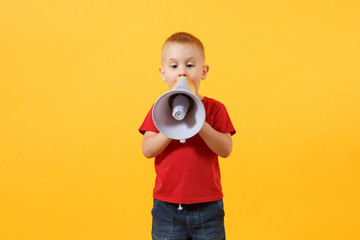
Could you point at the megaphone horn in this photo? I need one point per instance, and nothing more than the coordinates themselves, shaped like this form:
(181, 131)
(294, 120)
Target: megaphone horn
(179, 114)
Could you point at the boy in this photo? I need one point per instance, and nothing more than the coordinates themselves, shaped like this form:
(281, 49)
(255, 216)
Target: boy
(188, 194)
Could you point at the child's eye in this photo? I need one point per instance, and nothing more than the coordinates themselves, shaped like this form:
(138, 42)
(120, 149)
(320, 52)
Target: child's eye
(173, 66)
(190, 65)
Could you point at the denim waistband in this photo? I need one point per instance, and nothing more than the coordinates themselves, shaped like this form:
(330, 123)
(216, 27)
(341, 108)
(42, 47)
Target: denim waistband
(188, 205)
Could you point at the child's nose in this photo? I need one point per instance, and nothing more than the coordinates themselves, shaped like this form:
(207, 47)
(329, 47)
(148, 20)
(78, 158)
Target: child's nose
(182, 71)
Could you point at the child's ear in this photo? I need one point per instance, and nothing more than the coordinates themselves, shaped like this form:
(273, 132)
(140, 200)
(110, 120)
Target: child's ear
(205, 70)
(162, 73)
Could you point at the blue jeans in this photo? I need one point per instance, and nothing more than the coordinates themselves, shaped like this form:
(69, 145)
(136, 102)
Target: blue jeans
(194, 221)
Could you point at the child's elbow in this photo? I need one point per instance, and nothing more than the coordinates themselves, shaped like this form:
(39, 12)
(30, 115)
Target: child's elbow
(225, 153)
(147, 154)
(226, 149)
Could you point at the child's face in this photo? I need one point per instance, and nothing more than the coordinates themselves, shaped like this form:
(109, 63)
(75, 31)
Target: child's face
(183, 60)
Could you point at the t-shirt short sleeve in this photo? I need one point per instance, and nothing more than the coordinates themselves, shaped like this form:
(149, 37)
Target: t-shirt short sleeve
(148, 124)
(218, 117)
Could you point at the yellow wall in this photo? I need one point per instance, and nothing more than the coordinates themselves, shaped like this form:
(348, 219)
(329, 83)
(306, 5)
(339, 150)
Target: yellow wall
(78, 77)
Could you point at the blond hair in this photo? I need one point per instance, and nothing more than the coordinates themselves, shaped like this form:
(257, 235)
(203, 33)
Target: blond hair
(185, 38)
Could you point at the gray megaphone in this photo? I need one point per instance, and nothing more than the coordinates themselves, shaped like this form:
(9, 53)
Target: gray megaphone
(179, 114)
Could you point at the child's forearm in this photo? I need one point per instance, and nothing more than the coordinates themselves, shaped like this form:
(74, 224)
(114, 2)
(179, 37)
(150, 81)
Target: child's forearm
(220, 143)
(154, 143)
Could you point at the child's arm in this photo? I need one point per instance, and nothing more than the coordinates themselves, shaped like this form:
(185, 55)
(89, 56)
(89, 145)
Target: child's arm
(154, 143)
(220, 143)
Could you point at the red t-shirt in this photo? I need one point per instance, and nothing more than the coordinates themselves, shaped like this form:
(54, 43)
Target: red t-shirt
(189, 172)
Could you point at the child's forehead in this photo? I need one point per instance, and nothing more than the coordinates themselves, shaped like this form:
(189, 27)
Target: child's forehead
(173, 46)
(171, 49)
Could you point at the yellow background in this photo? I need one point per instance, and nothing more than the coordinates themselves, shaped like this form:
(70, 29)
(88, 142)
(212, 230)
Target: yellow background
(78, 77)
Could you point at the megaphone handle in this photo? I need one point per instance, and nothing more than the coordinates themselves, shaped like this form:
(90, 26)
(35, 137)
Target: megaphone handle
(182, 140)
